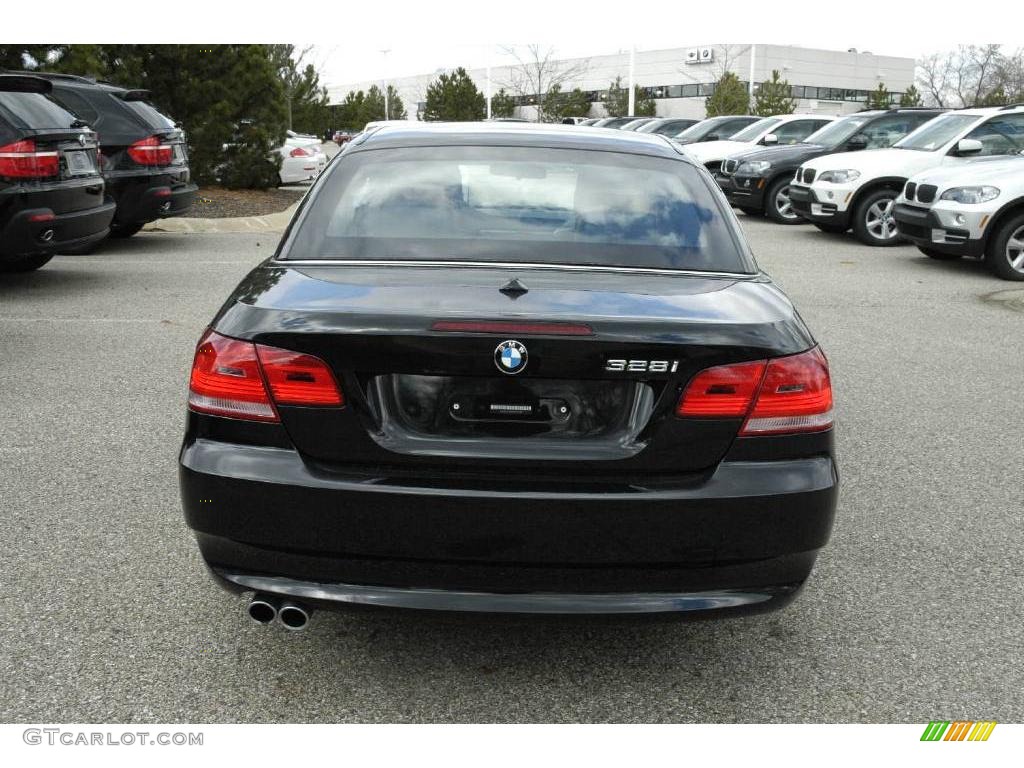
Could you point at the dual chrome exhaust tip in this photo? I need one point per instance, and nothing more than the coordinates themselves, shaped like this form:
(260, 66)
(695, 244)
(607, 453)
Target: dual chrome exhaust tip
(263, 609)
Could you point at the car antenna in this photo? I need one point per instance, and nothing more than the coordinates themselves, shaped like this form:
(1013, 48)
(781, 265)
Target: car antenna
(513, 289)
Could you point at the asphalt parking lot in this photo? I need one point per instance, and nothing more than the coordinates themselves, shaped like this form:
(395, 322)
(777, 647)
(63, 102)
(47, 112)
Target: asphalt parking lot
(913, 612)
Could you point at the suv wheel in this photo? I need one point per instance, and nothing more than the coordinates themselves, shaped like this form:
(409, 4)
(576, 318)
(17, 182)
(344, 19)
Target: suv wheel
(25, 263)
(778, 206)
(939, 255)
(1005, 252)
(873, 222)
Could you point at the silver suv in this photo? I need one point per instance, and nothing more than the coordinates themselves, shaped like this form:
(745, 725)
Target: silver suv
(974, 209)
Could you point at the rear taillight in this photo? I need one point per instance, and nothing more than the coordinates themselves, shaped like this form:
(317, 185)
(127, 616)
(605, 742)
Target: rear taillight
(235, 378)
(778, 396)
(300, 152)
(298, 379)
(150, 151)
(20, 160)
(795, 396)
(722, 392)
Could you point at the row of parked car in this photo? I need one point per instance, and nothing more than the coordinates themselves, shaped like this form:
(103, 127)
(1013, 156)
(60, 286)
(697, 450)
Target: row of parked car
(81, 161)
(951, 182)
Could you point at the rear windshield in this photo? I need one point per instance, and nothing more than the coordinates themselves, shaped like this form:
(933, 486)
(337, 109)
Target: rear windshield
(34, 110)
(150, 115)
(518, 204)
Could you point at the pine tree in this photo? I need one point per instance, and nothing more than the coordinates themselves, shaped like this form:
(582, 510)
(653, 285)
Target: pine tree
(349, 111)
(730, 97)
(774, 97)
(911, 98)
(880, 98)
(305, 99)
(995, 98)
(372, 107)
(616, 103)
(558, 105)
(643, 104)
(454, 97)
(396, 107)
(26, 56)
(503, 104)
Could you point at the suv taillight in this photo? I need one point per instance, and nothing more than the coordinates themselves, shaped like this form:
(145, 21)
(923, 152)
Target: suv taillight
(150, 151)
(243, 380)
(300, 152)
(20, 160)
(778, 396)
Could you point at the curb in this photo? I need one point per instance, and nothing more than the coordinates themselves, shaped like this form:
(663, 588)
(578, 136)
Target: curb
(271, 222)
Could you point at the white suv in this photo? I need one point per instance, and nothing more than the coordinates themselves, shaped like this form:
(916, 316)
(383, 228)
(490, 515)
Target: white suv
(976, 209)
(768, 131)
(859, 189)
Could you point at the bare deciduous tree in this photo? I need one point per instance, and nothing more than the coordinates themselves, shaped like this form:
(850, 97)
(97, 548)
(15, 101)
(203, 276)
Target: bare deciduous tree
(1011, 74)
(537, 71)
(961, 78)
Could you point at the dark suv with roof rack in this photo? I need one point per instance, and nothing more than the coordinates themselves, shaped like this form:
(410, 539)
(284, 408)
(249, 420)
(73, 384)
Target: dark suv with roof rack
(51, 191)
(757, 181)
(144, 158)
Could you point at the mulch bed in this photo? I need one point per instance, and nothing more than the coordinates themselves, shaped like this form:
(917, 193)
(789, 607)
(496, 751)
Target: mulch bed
(218, 203)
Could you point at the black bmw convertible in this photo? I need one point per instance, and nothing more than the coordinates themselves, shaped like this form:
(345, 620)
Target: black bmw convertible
(511, 368)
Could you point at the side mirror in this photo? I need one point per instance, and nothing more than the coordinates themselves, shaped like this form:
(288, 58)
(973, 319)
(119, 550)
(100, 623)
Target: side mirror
(711, 137)
(858, 142)
(770, 138)
(968, 147)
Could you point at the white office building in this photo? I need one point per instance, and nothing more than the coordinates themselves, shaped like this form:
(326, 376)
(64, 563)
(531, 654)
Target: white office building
(679, 79)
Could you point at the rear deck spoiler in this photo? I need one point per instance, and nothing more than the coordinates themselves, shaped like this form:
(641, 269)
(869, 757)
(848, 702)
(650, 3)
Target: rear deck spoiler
(25, 84)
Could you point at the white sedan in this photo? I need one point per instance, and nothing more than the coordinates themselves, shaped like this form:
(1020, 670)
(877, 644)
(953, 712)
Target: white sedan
(301, 160)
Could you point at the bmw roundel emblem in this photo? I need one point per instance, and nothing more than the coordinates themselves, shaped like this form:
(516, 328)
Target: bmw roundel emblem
(510, 356)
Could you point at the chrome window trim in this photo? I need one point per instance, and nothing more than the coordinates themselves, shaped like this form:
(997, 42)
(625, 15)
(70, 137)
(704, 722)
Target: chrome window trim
(509, 265)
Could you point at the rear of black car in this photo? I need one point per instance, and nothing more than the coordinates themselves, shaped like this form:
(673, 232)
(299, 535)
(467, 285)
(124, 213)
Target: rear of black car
(144, 155)
(482, 373)
(51, 191)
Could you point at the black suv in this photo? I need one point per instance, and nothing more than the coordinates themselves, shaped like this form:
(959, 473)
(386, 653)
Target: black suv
(51, 192)
(757, 181)
(144, 158)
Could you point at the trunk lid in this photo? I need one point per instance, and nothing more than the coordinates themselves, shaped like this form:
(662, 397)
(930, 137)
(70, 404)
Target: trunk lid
(605, 354)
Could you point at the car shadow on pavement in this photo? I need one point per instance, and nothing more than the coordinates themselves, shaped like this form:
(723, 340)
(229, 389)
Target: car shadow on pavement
(495, 640)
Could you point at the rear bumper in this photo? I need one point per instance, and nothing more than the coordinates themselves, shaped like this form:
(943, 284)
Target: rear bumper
(805, 203)
(744, 538)
(39, 230)
(333, 595)
(141, 199)
(925, 228)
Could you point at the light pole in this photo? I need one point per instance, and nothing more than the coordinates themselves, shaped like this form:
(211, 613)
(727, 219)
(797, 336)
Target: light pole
(632, 88)
(384, 53)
